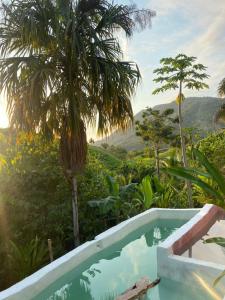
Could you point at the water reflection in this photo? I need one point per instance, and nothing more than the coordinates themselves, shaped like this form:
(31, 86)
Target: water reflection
(115, 269)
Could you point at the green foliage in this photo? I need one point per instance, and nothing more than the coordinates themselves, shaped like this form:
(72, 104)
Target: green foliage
(220, 115)
(181, 68)
(221, 88)
(156, 127)
(145, 193)
(213, 148)
(61, 70)
(119, 152)
(214, 187)
(34, 196)
(118, 204)
(27, 258)
(108, 159)
(34, 191)
(216, 240)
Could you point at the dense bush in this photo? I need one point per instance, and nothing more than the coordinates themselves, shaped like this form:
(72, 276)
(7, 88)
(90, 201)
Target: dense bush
(213, 147)
(36, 198)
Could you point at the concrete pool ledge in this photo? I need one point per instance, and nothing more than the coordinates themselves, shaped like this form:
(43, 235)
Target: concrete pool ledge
(190, 270)
(40, 280)
(118, 232)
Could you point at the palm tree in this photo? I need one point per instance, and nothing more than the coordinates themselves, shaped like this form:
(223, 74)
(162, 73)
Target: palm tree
(62, 70)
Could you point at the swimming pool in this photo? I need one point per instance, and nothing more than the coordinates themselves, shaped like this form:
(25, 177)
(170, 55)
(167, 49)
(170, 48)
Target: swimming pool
(111, 263)
(113, 270)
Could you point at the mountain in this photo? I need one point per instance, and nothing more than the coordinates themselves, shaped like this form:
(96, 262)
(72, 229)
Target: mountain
(198, 112)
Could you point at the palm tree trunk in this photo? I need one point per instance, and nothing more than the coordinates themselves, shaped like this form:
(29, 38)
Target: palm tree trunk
(157, 160)
(183, 147)
(75, 212)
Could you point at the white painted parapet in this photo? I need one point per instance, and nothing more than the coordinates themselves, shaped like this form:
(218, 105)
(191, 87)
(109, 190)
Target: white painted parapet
(190, 271)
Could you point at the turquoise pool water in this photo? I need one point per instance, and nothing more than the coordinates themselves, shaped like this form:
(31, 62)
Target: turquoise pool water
(113, 270)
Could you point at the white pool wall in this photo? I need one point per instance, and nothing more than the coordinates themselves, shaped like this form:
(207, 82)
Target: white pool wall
(184, 269)
(40, 280)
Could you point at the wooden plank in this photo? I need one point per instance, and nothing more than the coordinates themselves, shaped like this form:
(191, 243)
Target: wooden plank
(139, 289)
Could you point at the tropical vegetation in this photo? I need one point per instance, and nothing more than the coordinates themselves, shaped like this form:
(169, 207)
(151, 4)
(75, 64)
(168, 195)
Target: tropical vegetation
(62, 70)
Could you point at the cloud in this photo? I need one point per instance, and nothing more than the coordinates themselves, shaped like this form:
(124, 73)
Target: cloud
(192, 27)
(209, 47)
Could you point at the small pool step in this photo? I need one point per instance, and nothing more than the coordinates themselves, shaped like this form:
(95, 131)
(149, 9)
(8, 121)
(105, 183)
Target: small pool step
(139, 289)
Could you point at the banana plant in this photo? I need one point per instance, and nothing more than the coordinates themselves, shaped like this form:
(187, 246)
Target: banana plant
(145, 193)
(116, 198)
(210, 180)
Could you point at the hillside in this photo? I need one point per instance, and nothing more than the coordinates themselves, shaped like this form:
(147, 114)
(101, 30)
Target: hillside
(107, 159)
(198, 112)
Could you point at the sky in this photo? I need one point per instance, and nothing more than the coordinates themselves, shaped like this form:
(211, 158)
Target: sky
(193, 27)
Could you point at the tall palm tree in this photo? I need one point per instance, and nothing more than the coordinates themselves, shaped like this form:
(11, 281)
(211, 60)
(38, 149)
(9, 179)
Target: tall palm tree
(220, 114)
(62, 70)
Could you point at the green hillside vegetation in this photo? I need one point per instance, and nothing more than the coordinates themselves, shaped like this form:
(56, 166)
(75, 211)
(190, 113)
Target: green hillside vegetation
(109, 160)
(198, 112)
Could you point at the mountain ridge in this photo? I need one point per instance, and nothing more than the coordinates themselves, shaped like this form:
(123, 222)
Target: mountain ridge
(197, 112)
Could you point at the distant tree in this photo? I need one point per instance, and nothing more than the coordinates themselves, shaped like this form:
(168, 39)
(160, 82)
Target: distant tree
(180, 73)
(155, 129)
(105, 145)
(91, 141)
(220, 114)
(221, 88)
(192, 135)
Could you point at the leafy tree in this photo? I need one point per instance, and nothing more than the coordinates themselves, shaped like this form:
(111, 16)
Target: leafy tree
(118, 204)
(221, 88)
(213, 148)
(91, 141)
(155, 129)
(220, 114)
(61, 69)
(178, 73)
(105, 145)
